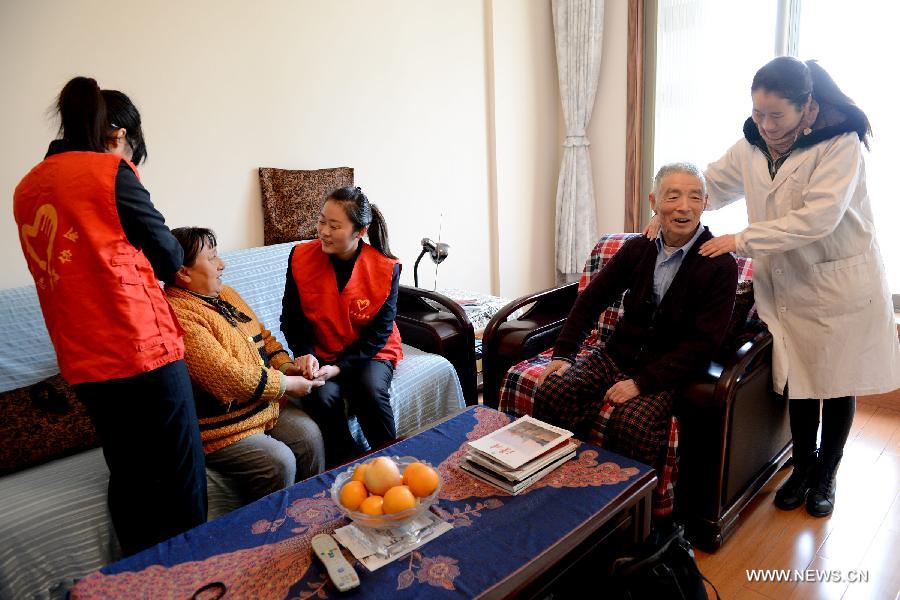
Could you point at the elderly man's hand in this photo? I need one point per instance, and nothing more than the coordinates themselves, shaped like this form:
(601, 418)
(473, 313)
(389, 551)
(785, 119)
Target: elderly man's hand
(718, 246)
(622, 391)
(557, 367)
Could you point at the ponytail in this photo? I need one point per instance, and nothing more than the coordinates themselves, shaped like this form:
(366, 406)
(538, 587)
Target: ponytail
(82, 113)
(378, 234)
(827, 94)
(364, 214)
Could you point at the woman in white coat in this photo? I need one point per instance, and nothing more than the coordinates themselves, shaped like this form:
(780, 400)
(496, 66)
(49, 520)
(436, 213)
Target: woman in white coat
(818, 276)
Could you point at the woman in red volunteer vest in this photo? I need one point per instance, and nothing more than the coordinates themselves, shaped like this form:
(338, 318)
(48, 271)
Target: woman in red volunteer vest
(95, 246)
(337, 316)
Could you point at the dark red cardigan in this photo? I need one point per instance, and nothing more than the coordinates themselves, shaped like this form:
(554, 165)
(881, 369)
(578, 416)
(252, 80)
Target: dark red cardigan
(659, 347)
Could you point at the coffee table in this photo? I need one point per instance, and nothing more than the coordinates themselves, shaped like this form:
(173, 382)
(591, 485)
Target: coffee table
(500, 545)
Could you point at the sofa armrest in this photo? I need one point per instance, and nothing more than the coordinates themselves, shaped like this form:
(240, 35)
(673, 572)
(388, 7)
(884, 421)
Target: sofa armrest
(445, 331)
(507, 342)
(717, 387)
(734, 436)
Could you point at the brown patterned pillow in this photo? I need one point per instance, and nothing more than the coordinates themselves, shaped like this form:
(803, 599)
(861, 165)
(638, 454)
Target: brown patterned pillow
(40, 423)
(292, 199)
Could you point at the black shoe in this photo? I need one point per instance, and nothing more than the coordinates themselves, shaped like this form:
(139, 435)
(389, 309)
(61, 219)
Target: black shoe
(793, 492)
(820, 500)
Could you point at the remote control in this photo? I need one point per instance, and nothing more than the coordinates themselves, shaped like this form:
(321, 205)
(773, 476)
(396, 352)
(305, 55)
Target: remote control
(340, 571)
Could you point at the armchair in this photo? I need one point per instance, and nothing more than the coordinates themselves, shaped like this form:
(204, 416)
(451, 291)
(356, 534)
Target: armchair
(731, 428)
(440, 327)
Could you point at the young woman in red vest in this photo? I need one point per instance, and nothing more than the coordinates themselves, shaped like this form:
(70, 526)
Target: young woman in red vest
(337, 316)
(95, 246)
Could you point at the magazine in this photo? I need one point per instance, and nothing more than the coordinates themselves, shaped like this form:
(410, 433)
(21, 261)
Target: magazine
(521, 441)
(526, 470)
(513, 488)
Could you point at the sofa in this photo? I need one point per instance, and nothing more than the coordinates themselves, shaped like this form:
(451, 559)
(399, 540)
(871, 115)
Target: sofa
(54, 522)
(730, 431)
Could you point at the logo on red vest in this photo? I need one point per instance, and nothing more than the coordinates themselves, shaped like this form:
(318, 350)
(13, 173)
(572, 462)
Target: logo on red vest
(359, 311)
(39, 238)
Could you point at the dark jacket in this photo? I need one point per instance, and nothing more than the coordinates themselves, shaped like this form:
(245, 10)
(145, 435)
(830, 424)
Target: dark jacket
(660, 347)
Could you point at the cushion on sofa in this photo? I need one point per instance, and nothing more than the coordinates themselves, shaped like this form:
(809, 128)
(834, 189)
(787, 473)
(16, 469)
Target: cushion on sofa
(292, 199)
(42, 422)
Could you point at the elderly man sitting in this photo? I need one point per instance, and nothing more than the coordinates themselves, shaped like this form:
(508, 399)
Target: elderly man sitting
(243, 379)
(677, 307)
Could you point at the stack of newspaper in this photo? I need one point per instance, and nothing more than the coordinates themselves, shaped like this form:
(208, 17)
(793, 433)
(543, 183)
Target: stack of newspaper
(517, 455)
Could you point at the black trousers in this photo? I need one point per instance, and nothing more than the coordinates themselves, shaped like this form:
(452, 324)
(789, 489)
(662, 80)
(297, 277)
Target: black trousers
(368, 390)
(837, 418)
(157, 478)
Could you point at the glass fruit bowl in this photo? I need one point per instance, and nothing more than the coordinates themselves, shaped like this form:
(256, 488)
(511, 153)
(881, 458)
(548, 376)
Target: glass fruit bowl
(389, 521)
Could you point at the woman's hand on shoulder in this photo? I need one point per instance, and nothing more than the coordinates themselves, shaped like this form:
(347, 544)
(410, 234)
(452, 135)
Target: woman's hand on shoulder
(719, 246)
(297, 386)
(652, 228)
(308, 365)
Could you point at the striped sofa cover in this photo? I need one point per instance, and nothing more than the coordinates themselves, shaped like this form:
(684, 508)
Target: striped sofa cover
(54, 522)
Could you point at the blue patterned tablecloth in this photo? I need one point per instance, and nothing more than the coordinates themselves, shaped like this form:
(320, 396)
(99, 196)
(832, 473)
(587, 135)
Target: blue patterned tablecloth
(263, 550)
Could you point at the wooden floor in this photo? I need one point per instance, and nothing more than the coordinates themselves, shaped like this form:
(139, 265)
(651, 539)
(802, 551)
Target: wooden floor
(862, 535)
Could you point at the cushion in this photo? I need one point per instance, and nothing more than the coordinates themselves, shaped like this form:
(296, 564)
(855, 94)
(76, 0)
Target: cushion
(42, 422)
(292, 200)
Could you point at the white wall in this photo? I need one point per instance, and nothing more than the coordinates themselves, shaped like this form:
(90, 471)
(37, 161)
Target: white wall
(393, 88)
(401, 90)
(528, 143)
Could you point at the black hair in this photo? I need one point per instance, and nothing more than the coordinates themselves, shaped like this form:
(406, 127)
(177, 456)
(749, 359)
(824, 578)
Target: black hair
(82, 114)
(193, 240)
(121, 112)
(363, 214)
(795, 81)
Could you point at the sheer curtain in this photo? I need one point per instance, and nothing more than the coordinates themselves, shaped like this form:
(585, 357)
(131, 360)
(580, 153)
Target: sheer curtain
(706, 54)
(578, 30)
(857, 44)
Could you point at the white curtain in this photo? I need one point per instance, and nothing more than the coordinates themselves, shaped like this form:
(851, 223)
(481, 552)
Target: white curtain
(578, 27)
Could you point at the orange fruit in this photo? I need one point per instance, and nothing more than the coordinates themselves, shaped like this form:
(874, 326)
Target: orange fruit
(397, 499)
(353, 493)
(372, 505)
(409, 469)
(422, 481)
(359, 472)
(381, 475)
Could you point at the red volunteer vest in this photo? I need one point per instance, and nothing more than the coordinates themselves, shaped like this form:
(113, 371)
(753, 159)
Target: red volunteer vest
(105, 312)
(337, 318)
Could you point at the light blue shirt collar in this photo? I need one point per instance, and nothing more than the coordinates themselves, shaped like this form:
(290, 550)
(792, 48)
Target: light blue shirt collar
(683, 249)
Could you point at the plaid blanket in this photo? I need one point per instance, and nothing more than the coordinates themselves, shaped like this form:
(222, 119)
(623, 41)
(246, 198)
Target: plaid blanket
(517, 392)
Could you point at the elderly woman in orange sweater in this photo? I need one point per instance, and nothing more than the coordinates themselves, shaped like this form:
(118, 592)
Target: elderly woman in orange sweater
(243, 379)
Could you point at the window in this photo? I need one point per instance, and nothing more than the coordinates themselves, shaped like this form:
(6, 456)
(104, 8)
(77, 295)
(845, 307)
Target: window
(704, 54)
(857, 43)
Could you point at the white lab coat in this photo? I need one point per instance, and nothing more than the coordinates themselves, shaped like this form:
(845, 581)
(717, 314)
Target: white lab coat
(818, 277)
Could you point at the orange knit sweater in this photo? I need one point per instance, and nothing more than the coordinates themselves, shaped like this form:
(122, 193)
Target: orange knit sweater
(234, 370)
